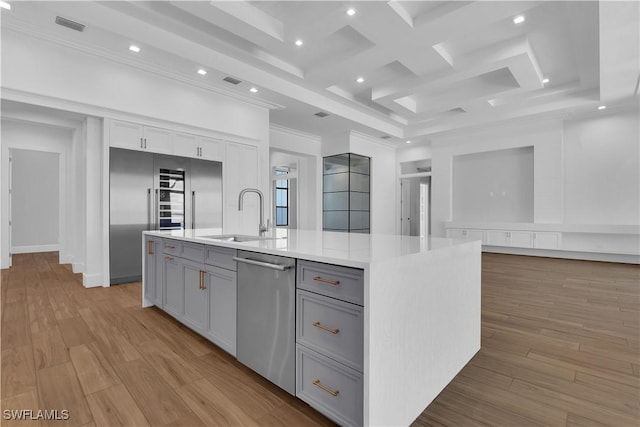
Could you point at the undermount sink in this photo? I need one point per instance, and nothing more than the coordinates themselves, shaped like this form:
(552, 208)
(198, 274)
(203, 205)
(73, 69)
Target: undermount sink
(237, 238)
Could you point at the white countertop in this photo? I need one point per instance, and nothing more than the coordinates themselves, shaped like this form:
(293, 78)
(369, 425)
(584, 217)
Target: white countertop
(347, 249)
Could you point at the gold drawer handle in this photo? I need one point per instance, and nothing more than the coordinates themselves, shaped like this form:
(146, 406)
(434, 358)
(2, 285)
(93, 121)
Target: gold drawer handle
(317, 383)
(325, 328)
(329, 281)
(169, 246)
(150, 247)
(168, 258)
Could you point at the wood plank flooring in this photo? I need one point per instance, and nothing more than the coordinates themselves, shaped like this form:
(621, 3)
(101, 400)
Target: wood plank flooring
(560, 347)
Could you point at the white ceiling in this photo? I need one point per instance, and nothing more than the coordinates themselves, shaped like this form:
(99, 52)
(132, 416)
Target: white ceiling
(428, 66)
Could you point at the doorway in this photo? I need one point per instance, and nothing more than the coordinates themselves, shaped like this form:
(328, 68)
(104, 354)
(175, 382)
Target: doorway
(415, 206)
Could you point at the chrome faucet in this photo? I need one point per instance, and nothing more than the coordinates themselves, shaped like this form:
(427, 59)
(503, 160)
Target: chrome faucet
(261, 227)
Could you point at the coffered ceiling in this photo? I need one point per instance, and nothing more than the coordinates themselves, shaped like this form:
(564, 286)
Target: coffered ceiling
(425, 66)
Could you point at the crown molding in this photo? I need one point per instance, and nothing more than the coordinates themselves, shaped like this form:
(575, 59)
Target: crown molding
(294, 132)
(373, 139)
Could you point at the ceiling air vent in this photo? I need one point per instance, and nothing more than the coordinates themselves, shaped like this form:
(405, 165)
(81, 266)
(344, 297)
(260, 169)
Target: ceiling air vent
(70, 24)
(232, 80)
(385, 137)
(321, 114)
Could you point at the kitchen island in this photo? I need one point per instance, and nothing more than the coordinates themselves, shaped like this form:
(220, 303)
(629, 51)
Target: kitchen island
(419, 311)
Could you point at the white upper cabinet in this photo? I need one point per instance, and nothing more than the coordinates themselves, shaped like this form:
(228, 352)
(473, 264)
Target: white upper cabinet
(184, 145)
(126, 135)
(157, 140)
(210, 149)
(141, 138)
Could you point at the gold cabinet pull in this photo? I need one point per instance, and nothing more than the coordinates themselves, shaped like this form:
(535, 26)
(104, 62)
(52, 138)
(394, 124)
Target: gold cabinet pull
(329, 281)
(202, 285)
(169, 246)
(168, 258)
(323, 387)
(150, 247)
(325, 328)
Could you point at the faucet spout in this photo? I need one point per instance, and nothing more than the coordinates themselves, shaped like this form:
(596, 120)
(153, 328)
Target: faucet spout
(261, 227)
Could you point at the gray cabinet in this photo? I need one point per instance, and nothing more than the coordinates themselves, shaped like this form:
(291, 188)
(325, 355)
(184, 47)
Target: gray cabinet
(195, 296)
(196, 284)
(153, 271)
(221, 296)
(330, 340)
(173, 286)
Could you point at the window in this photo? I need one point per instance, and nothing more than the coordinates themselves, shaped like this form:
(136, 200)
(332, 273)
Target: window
(282, 201)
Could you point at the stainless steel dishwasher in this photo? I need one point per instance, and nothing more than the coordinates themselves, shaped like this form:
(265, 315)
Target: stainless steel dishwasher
(266, 316)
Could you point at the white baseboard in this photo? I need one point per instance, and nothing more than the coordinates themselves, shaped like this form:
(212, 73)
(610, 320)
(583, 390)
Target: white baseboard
(77, 267)
(587, 256)
(34, 249)
(65, 259)
(91, 280)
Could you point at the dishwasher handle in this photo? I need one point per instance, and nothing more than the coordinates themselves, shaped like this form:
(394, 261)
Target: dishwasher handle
(262, 264)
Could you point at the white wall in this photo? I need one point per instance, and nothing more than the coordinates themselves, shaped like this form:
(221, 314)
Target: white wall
(50, 75)
(602, 173)
(494, 186)
(56, 137)
(384, 178)
(35, 201)
(546, 139)
(291, 146)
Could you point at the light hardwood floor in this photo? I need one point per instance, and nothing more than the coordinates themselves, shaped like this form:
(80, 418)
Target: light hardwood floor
(560, 346)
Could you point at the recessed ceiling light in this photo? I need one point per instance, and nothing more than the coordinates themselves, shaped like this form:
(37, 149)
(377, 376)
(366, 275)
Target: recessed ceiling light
(253, 90)
(545, 81)
(298, 42)
(408, 141)
(518, 19)
(351, 12)
(202, 72)
(134, 48)
(360, 80)
(5, 5)
(602, 107)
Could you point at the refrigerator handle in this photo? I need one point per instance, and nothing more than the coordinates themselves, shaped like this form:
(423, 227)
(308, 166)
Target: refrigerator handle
(157, 203)
(149, 209)
(193, 209)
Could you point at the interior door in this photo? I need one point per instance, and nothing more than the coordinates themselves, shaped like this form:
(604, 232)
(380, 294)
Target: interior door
(405, 207)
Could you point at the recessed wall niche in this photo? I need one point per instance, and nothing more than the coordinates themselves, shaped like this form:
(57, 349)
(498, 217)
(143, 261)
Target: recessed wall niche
(493, 186)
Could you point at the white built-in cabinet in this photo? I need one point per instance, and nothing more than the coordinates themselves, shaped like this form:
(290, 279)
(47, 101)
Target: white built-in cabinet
(509, 238)
(137, 137)
(133, 136)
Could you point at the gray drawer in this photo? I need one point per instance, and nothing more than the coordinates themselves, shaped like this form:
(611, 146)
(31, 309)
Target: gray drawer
(331, 327)
(190, 251)
(333, 389)
(220, 257)
(334, 281)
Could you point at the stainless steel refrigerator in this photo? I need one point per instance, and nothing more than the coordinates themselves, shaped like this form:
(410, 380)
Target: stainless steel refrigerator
(155, 192)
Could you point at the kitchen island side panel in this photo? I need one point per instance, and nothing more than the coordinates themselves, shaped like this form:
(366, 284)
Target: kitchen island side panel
(421, 328)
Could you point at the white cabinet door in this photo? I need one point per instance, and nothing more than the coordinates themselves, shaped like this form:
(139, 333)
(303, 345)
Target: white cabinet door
(153, 271)
(520, 239)
(475, 235)
(210, 149)
(126, 135)
(456, 233)
(497, 238)
(158, 140)
(184, 145)
(546, 240)
(221, 328)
